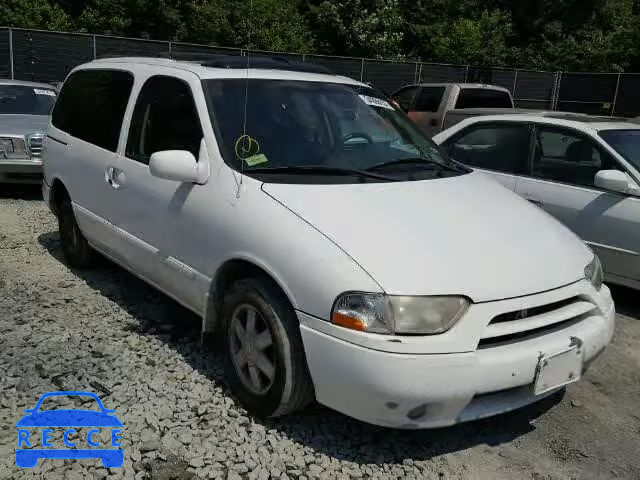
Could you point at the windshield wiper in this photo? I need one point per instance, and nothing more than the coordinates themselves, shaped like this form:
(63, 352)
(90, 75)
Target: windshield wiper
(423, 162)
(320, 170)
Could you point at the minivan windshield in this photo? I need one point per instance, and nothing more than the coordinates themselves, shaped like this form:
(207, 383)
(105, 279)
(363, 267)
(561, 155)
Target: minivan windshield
(626, 143)
(303, 129)
(26, 100)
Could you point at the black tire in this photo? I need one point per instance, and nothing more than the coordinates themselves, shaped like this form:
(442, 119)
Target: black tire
(75, 247)
(292, 388)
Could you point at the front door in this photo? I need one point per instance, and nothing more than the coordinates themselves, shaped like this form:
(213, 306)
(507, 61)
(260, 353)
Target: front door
(499, 149)
(565, 163)
(158, 216)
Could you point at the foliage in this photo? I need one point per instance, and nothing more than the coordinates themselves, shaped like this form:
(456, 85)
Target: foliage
(595, 35)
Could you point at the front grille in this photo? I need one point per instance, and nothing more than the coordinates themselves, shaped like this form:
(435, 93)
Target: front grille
(35, 145)
(523, 323)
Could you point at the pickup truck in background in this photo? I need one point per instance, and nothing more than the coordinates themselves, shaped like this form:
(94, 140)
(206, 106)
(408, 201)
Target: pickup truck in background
(437, 106)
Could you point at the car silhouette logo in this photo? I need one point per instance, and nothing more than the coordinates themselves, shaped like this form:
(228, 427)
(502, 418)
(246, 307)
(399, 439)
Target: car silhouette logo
(69, 419)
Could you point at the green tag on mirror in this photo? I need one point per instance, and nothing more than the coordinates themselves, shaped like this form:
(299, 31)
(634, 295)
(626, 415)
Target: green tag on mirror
(254, 160)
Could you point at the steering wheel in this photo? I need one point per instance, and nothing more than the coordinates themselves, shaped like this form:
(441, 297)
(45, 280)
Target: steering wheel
(352, 135)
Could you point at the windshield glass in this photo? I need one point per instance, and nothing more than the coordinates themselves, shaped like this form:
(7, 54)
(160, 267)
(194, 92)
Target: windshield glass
(300, 125)
(626, 143)
(22, 99)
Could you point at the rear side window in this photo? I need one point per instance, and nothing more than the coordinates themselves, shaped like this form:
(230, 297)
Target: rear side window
(483, 98)
(164, 118)
(429, 99)
(91, 106)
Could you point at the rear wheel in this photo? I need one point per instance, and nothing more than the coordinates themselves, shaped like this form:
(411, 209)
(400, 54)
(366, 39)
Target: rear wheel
(264, 357)
(75, 247)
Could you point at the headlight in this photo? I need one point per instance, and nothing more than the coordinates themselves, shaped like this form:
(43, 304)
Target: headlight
(593, 272)
(399, 315)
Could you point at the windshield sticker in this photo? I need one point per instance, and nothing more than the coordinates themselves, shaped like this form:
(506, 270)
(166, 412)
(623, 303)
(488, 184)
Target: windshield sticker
(375, 102)
(256, 160)
(246, 146)
(41, 91)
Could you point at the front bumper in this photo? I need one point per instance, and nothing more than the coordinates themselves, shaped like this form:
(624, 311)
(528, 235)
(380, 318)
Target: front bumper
(21, 171)
(426, 390)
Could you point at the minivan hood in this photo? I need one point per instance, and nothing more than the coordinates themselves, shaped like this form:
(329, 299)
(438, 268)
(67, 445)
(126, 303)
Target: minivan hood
(14, 124)
(464, 235)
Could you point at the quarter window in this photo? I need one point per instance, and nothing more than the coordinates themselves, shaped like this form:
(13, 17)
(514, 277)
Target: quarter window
(91, 106)
(164, 118)
(500, 147)
(569, 157)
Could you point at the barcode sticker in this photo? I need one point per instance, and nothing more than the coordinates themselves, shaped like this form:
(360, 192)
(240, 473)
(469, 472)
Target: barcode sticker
(375, 102)
(42, 91)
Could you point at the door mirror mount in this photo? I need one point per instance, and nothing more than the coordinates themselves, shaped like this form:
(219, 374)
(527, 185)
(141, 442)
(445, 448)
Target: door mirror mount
(613, 180)
(176, 165)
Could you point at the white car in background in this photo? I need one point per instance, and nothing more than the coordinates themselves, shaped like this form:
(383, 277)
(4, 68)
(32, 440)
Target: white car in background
(585, 171)
(328, 242)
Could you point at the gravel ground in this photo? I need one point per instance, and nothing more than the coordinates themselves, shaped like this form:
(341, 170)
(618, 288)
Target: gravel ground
(106, 331)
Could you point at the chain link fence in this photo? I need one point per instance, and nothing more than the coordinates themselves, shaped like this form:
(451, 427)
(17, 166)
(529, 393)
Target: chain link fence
(49, 56)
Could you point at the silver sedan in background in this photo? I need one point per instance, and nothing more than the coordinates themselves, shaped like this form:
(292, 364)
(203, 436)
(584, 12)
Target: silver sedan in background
(24, 116)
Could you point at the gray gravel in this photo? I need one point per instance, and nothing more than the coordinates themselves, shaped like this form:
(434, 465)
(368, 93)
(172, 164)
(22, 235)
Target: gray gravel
(107, 332)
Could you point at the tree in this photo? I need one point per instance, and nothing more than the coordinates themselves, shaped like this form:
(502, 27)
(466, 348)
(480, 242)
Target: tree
(34, 14)
(369, 28)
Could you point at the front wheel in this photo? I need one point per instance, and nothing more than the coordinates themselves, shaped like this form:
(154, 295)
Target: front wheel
(75, 247)
(264, 357)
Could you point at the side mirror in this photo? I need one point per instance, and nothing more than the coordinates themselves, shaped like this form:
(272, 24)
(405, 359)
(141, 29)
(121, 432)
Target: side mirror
(177, 165)
(613, 180)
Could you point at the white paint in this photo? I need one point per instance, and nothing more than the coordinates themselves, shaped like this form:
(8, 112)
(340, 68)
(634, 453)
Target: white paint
(457, 236)
(606, 218)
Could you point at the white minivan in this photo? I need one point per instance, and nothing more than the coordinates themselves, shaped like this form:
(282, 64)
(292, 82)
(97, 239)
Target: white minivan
(339, 255)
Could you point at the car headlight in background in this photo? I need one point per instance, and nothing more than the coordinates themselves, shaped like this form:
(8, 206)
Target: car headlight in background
(593, 272)
(400, 315)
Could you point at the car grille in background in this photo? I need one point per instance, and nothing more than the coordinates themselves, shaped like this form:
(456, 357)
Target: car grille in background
(523, 323)
(35, 145)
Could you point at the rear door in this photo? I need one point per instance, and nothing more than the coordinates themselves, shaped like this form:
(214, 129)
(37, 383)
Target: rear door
(500, 149)
(83, 140)
(565, 162)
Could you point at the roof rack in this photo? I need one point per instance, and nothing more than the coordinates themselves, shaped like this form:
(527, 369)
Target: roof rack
(216, 60)
(258, 61)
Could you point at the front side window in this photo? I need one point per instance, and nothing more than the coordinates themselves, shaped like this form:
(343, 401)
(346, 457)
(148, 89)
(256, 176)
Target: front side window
(626, 143)
(500, 147)
(164, 118)
(306, 128)
(91, 106)
(26, 100)
(568, 156)
(430, 99)
(483, 98)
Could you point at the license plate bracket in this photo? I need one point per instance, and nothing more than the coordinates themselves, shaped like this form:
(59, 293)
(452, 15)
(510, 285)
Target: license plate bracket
(558, 369)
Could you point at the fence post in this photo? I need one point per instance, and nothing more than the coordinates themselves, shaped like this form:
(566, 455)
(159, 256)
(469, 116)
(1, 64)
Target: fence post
(170, 56)
(615, 96)
(419, 79)
(95, 55)
(466, 73)
(11, 53)
(362, 71)
(304, 57)
(515, 84)
(556, 91)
